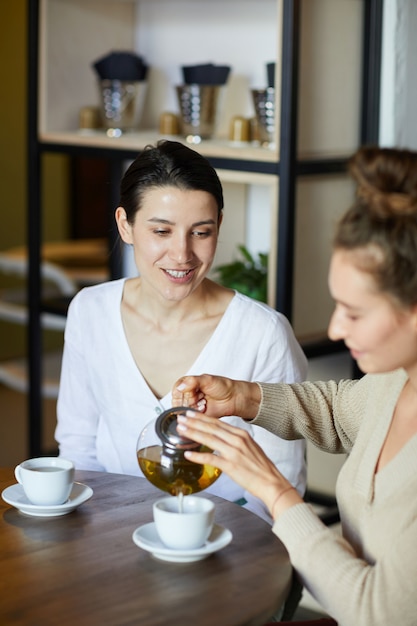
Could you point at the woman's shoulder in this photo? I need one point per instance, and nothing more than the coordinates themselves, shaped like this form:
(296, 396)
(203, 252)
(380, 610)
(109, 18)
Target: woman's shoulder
(247, 306)
(386, 382)
(100, 294)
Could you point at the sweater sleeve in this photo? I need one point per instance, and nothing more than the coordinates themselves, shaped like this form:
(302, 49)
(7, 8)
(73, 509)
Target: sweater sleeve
(76, 409)
(325, 413)
(352, 590)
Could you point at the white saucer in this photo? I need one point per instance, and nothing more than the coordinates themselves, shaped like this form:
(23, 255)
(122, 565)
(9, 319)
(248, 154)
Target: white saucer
(147, 537)
(15, 496)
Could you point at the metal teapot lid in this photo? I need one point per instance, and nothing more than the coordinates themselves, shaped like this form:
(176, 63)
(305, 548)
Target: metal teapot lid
(166, 429)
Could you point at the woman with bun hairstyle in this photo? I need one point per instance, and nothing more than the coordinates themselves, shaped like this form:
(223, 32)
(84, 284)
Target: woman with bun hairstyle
(367, 575)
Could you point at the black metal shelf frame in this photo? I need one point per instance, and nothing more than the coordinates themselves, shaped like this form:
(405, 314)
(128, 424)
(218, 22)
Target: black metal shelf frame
(288, 169)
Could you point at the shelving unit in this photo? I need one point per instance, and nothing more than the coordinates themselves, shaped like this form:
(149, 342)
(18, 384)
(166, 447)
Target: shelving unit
(314, 136)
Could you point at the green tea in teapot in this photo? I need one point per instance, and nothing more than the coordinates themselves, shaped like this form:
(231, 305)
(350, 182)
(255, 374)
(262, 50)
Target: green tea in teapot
(160, 453)
(175, 474)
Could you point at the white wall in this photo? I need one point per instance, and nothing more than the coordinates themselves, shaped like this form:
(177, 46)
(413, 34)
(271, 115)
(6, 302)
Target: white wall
(399, 85)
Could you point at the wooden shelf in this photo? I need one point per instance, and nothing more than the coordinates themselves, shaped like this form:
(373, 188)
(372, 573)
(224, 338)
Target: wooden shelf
(219, 148)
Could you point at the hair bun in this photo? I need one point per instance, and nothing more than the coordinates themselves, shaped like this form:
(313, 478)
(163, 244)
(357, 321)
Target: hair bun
(387, 204)
(386, 180)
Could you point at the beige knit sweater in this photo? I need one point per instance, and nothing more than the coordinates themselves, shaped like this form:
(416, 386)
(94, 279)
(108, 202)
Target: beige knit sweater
(368, 577)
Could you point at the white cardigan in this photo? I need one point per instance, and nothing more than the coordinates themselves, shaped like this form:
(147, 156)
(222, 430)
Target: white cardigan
(104, 402)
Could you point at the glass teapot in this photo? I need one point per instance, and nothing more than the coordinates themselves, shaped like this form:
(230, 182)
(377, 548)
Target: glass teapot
(160, 453)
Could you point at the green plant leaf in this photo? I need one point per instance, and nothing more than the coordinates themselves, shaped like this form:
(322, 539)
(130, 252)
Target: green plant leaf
(246, 254)
(248, 276)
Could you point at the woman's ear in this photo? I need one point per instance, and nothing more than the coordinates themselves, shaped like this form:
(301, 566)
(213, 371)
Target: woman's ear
(125, 229)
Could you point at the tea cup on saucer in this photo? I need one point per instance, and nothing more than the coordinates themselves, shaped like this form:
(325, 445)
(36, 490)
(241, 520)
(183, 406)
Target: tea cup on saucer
(46, 480)
(183, 523)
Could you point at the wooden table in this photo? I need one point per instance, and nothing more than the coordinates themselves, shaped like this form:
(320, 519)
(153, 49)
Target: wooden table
(84, 569)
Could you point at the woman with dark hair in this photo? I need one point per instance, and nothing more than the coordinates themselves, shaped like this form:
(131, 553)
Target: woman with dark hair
(128, 340)
(366, 576)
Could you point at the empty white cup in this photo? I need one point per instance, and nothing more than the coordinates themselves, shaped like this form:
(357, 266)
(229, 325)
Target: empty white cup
(184, 530)
(46, 481)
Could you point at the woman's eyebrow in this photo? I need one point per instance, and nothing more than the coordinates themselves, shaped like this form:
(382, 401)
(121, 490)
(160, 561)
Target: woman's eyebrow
(160, 220)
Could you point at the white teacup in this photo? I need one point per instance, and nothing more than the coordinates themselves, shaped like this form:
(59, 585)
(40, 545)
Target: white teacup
(46, 480)
(184, 530)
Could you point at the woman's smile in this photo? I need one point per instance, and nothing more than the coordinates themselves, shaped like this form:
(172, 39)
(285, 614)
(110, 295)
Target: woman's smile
(180, 276)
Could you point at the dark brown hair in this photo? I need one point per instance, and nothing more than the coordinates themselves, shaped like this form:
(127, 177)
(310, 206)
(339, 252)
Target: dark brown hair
(382, 224)
(168, 164)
